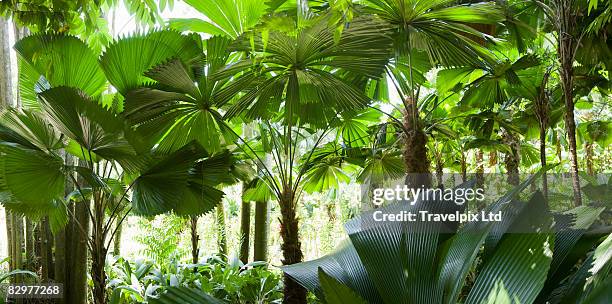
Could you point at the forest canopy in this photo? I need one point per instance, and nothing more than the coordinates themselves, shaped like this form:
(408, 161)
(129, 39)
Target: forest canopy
(241, 151)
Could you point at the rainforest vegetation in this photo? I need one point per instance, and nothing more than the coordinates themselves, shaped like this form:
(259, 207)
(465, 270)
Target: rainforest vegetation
(227, 151)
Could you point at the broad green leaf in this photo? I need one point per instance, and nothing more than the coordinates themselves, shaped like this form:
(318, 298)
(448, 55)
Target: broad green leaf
(336, 292)
(521, 260)
(33, 177)
(63, 61)
(126, 60)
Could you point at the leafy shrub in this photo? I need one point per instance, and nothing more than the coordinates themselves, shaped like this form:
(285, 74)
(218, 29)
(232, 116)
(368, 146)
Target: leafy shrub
(141, 281)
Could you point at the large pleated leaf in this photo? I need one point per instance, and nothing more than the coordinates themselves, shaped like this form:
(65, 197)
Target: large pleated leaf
(185, 295)
(580, 220)
(324, 176)
(31, 176)
(227, 17)
(306, 71)
(87, 122)
(31, 82)
(176, 183)
(29, 130)
(63, 61)
(521, 259)
(257, 191)
(438, 27)
(382, 167)
(337, 293)
(174, 110)
(438, 275)
(344, 265)
(127, 59)
(173, 119)
(465, 246)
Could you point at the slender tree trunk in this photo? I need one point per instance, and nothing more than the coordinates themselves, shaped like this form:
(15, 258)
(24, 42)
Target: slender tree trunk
(512, 159)
(44, 259)
(439, 168)
(492, 159)
(566, 49)
(195, 239)
(46, 251)
(245, 230)
(480, 168)
(30, 240)
(78, 255)
(291, 247)
(117, 239)
(260, 241)
(463, 167)
(6, 101)
(588, 149)
(61, 240)
(415, 148)
(99, 250)
(59, 272)
(6, 83)
(221, 231)
(98, 273)
(543, 161)
(542, 111)
(18, 240)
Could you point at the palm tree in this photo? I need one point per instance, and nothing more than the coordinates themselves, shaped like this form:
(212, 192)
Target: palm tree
(580, 35)
(299, 75)
(117, 164)
(230, 19)
(440, 30)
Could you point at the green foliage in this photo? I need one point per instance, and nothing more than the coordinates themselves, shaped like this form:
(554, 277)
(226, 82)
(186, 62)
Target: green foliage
(425, 261)
(212, 280)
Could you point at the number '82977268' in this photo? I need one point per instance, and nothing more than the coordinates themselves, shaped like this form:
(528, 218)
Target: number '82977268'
(34, 291)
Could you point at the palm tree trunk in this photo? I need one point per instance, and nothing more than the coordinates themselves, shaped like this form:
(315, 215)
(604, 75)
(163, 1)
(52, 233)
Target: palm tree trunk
(61, 239)
(6, 84)
(117, 239)
(291, 247)
(463, 167)
(260, 241)
(195, 238)
(59, 272)
(588, 149)
(8, 218)
(566, 49)
(18, 240)
(492, 159)
(245, 231)
(99, 250)
(480, 168)
(6, 101)
(30, 239)
(543, 161)
(512, 158)
(439, 168)
(46, 252)
(415, 148)
(77, 270)
(221, 231)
